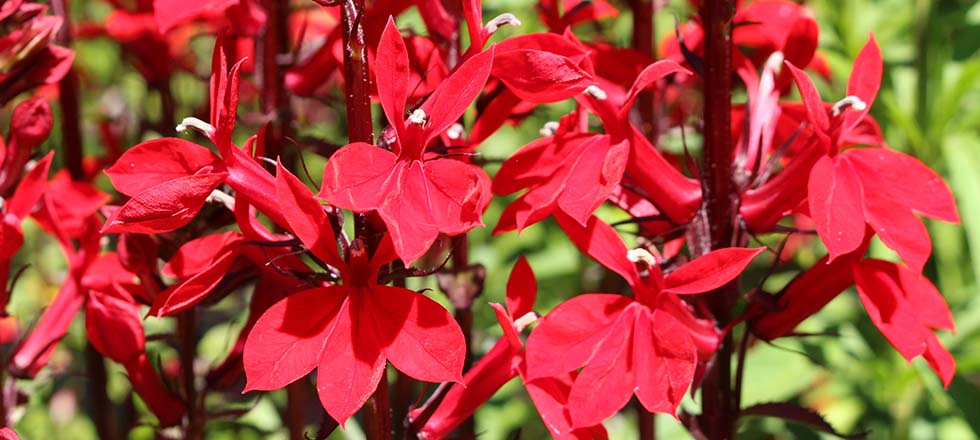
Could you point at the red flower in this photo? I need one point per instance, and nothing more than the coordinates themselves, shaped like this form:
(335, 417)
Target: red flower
(648, 345)
(418, 197)
(347, 331)
(875, 186)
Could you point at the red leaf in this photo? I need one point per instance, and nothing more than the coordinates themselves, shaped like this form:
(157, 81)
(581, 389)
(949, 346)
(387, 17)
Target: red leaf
(710, 271)
(568, 337)
(164, 207)
(306, 217)
(287, 340)
(522, 289)
(418, 336)
(835, 205)
(158, 161)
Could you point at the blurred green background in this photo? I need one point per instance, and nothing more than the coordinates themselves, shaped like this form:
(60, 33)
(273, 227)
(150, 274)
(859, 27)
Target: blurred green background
(927, 107)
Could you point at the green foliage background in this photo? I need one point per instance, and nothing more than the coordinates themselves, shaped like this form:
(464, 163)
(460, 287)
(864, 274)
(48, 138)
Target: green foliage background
(927, 107)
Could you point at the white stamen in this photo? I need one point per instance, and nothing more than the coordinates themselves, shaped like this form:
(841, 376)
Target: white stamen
(418, 117)
(641, 255)
(456, 131)
(848, 101)
(217, 196)
(596, 92)
(521, 323)
(775, 62)
(549, 129)
(500, 20)
(197, 124)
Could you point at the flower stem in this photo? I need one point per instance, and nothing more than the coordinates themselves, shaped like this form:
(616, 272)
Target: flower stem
(71, 133)
(720, 199)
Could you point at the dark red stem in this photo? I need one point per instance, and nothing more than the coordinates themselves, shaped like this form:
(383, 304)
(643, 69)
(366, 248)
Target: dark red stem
(272, 48)
(377, 417)
(642, 41)
(360, 127)
(187, 337)
(71, 133)
(720, 199)
(102, 412)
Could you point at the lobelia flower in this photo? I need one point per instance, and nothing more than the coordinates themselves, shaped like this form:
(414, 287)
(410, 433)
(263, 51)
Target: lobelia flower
(418, 196)
(170, 179)
(573, 172)
(347, 331)
(504, 361)
(877, 187)
(648, 345)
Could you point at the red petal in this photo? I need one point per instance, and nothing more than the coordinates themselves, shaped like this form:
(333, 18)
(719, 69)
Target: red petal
(164, 207)
(710, 271)
(448, 102)
(540, 76)
(587, 185)
(286, 341)
(522, 289)
(196, 255)
(865, 80)
(900, 230)
(30, 188)
(879, 288)
(601, 242)
(664, 359)
(306, 217)
(113, 327)
(351, 364)
(391, 75)
(152, 163)
(569, 335)
(835, 205)
(815, 108)
(940, 360)
(647, 78)
(606, 383)
(185, 295)
(439, 196)
(358, 177)
(418, 336)
(170, 13)
(905, 180)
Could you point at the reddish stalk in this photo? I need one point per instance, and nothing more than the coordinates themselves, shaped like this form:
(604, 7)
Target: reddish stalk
(271, 46)
(377, 417)
(644, 32)
(187, 335)
(719, 413)
(71, 132)
(102, 412)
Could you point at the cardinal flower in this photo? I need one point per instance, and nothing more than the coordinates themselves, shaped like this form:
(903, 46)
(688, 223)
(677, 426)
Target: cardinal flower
(347, 331)
(501, 364)
(877, 187)
(417, 195)
(647, 345)
(170, 179)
